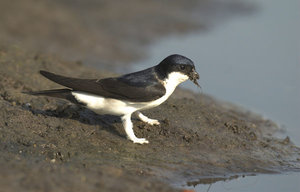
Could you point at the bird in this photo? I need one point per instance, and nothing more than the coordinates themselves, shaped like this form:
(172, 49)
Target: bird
(126, 94)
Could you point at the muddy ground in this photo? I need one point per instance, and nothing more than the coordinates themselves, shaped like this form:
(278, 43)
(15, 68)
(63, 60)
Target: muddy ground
(49, 144)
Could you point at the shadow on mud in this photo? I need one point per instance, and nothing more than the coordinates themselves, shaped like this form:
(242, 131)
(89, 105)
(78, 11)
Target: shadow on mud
(81, 114)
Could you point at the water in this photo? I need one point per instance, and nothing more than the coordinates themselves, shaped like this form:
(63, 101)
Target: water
(252, 61)
(284, 182)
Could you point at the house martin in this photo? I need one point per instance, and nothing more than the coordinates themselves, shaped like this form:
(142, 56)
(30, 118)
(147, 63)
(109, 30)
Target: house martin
(126, 94)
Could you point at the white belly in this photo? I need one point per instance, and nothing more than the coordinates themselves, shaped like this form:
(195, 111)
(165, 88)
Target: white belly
(102, 105)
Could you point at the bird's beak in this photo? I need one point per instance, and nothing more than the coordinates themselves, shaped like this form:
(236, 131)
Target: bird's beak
(194, 76)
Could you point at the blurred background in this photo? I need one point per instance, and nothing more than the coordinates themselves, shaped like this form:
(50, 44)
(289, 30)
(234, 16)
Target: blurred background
(247, 52)
(106, 33)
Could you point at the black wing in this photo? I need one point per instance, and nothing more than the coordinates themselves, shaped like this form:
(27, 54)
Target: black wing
(141, 86)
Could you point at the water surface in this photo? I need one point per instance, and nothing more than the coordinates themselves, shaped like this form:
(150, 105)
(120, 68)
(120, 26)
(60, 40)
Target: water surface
(288, 182)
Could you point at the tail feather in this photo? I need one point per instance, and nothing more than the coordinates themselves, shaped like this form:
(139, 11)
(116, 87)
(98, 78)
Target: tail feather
(52, 93)
(59, 93)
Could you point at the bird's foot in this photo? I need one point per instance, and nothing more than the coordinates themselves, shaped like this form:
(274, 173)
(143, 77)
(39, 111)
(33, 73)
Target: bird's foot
(147, 120)
(140, 141)
(152, 122)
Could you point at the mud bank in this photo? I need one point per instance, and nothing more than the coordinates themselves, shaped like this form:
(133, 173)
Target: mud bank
(48, 144)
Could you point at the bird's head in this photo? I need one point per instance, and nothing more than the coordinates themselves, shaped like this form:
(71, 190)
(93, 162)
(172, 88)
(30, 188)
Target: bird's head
(180, 67)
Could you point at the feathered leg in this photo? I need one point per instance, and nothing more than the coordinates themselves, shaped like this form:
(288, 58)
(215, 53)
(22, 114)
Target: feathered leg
(129, 131)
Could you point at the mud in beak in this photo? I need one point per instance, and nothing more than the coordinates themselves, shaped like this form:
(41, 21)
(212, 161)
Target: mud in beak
(194, 76)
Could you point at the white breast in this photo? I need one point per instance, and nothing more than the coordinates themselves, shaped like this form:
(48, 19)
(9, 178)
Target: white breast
(173, 80)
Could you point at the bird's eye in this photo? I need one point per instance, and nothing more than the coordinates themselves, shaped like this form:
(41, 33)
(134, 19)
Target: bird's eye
(182, 67)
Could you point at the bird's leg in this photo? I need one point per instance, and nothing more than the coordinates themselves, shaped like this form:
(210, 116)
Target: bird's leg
(126, 119)
(147, 120)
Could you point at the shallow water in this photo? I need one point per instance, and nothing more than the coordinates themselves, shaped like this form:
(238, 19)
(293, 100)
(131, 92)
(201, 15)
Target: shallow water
(288, 182)
(253, 61)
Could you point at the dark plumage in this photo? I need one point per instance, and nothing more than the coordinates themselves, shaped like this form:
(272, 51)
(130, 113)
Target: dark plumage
(140, 86)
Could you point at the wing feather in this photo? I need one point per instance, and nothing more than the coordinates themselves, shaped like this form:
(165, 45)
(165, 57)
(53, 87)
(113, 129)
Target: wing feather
(123, 88)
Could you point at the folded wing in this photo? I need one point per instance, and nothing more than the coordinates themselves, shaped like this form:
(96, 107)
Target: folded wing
(122, 88)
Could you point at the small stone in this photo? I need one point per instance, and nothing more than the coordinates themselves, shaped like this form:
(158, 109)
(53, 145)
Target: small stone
(252, 136)
(286, 140)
